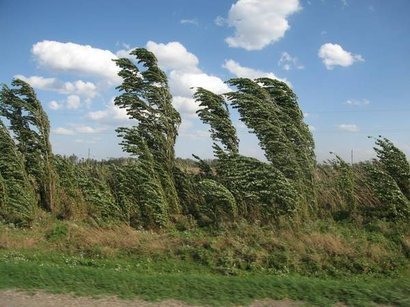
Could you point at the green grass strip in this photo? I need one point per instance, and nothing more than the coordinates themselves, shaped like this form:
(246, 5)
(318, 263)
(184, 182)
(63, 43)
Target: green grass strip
(203, 289)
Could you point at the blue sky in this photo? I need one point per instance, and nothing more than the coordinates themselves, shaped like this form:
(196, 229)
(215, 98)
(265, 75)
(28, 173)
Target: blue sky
(346, 60)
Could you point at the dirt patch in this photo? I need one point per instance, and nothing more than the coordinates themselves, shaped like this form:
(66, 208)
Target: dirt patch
(17, 298)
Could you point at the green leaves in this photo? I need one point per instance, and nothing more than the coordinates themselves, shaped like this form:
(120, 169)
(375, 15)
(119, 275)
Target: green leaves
(146, 97)
(214, 111)
(269, 108)
(17, 197)
(31, 129)
(394, 162)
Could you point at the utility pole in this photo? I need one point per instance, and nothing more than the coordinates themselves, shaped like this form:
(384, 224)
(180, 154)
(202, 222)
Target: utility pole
(351, 157)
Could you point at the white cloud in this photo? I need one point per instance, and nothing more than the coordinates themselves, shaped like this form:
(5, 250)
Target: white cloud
(357, 102)
(184, 83)
(185, 105)
(287, 62)
(196, 134)
(54, 105)
(220, 21)
(246, 72)
(63, 131)
(348, 127)
(259, 23)
(174, 55)
(111, 115)
(79, 87)
(87, 129)
(77, 129)
(334, 55)
(71, 57)
(73, 102)
(192, 21)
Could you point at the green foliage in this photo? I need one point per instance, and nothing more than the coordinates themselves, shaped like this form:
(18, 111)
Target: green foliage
(146, 97)
(391, 204)
(214, 111)
(269, 108)
(219, 205)
(394, 162)
(31, 130)
(57, 233)
(338, 190)
(261, 191)
(147, 181)
(84, 191)
(17, 197)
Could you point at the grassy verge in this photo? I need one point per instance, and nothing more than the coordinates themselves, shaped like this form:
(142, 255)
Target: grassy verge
(321, 263)
(161, 279)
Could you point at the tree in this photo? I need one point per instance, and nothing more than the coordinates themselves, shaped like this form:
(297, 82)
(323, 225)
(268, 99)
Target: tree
(395, 163)
(270, 110)
(17, 197)
(261, 191)
(214, 111)
(146, 97)
(31, 130)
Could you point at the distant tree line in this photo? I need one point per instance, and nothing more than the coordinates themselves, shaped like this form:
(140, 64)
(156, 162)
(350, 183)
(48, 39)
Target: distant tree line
(154, 189)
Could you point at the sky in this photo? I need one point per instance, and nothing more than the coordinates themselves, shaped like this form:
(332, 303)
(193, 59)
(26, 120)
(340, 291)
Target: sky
(347, 61)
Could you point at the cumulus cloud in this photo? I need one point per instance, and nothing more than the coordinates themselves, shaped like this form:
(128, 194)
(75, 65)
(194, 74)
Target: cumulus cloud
(54, 105)
(79, 87)
(288, 62)
(77, 129)
(73, 102)
(112, 114)
(192, 21)
(174, 56)
(186, 106)
(357, 102)
(184, 83)
(259, 23)
(334, 55)
(348, 127)
(63, 131)
(246, 72)
(87, 129)
(71, 57)
(220, 21)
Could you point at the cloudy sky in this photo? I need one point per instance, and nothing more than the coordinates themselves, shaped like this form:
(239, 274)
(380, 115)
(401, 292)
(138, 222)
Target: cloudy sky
(347, 60)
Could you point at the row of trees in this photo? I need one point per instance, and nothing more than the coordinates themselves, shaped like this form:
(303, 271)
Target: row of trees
(152, 190)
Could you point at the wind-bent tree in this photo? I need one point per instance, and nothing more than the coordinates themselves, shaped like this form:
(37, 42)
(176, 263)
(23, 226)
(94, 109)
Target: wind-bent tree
(270, 110)
(261, 191)
(31, 130)
(17, 197)
(394, 162)
(389, 179)
(214, 111)
(146, 97)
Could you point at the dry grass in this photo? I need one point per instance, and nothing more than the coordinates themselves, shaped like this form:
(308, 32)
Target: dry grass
(24, 239)
(330, 244)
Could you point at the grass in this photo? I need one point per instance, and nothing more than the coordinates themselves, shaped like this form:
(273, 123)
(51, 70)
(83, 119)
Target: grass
(322, 263)
(189, 282)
